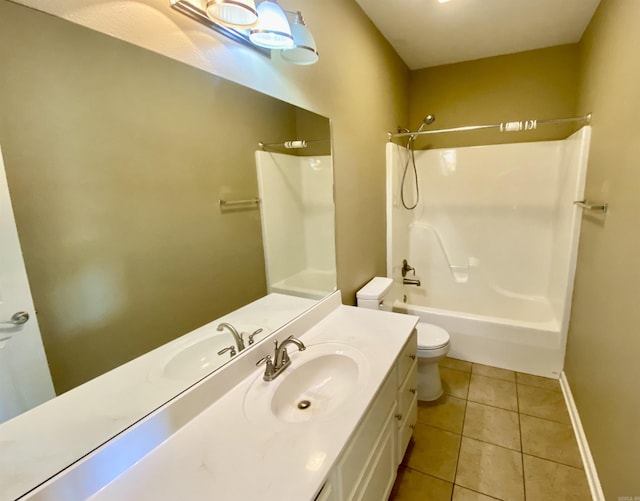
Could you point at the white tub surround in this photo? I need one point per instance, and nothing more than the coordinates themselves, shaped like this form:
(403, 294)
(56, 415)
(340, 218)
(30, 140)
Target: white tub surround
(204, 445)
(494, 242)
(81, 420)
(298, 230)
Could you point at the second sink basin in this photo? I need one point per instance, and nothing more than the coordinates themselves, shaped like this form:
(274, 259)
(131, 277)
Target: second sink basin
(196, 356)
(317, 383)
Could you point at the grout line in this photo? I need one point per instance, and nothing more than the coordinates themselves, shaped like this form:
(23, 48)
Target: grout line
(464, 420)
(545, 419)
(477, 492)
(429, 475)
(491, 443)
(442, 429)
(541, 388)
(494, 406)
(495, 445)
(552, 461)
(524, 482)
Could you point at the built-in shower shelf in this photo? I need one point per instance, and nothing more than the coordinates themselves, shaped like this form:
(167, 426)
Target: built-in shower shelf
(459, 272)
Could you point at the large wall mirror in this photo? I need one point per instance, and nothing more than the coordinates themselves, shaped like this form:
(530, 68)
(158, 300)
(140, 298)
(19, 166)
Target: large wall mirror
(116, 160)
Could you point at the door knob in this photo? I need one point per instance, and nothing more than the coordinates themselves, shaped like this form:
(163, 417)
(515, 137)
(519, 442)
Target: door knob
(19, 318)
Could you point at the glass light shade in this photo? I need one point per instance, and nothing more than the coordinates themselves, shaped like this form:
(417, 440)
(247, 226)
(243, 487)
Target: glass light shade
(304, 49)
(233, 13)
(273, 30)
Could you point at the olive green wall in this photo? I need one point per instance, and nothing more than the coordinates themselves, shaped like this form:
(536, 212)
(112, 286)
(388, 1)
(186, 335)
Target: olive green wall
(116, 158)
(603, 352)
(536, 84)
(359, 82)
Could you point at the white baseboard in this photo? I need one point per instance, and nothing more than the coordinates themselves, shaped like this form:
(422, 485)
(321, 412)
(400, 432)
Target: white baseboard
(581, 438)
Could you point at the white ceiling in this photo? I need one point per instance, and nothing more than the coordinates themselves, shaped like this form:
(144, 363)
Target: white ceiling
(428, 33)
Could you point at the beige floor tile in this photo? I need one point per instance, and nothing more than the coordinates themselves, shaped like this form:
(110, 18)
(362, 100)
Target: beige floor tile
(545, 480)
(490, 469)
(454, 363)
(493, 425)
(433, 451)
(447, 413)
(550, 440)
(542, 403)
(411, 485)
(455, 382)
(494, 372)
(541, 382)
(462, 494)
(490, 391)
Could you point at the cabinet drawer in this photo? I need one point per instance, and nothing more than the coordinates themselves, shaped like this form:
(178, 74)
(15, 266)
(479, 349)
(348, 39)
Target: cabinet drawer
(408, 391)
(352, 466)
(407, 356)
(406, 429)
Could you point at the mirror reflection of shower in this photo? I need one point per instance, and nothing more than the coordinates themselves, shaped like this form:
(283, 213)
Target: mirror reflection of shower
(428, 120)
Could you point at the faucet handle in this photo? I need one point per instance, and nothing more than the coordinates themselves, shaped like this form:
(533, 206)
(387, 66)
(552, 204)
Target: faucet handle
(254, 333)
(269, 370)
(230, 349)
(266, 359)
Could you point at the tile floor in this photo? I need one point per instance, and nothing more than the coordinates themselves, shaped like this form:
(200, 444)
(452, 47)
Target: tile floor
(494, 434)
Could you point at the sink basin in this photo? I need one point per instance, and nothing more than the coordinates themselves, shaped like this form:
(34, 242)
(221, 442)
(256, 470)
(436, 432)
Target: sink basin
(195, 358)
(198, 359)
(318, 383)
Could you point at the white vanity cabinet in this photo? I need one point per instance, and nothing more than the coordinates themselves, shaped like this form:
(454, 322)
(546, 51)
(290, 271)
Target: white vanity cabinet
(366, 470)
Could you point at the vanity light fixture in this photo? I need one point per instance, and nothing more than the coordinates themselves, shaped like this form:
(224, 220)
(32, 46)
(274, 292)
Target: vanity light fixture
(304, 49)
(233, 13)
(264, 27)
(273, 30)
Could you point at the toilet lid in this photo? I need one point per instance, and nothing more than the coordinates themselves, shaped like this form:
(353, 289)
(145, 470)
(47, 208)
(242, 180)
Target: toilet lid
(431, 337)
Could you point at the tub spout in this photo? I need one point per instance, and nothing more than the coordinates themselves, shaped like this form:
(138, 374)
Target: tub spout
(411, 281)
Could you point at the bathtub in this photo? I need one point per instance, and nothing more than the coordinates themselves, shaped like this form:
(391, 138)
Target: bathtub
(494, 243)
(532, 342)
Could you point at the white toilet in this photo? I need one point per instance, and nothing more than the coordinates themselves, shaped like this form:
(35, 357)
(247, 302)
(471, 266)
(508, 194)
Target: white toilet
(433, 341)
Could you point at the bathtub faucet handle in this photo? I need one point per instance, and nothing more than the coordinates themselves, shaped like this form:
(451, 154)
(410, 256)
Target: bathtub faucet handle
(406, 268)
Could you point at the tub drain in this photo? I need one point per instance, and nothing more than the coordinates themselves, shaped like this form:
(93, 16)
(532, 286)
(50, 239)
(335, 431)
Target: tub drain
(304, 404)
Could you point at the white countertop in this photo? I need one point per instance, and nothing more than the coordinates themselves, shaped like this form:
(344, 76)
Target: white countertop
(39, 443)
(222, 454)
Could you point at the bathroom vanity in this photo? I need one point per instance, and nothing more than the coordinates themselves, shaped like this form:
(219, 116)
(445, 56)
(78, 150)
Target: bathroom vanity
(236, 436)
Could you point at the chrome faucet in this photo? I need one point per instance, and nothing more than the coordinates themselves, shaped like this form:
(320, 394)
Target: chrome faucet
(280, 361)
(237, 336)
(411, 281)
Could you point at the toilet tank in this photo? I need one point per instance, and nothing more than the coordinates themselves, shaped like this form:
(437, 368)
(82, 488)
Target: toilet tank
(372, 295)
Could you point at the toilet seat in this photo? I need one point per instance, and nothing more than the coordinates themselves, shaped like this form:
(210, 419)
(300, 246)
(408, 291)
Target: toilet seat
(431, 337)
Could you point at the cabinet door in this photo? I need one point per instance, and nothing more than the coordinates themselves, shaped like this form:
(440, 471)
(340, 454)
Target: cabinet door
(382, 470)
(353, 466)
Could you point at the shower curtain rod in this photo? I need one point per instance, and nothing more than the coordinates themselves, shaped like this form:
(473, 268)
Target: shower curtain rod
(289, 145)
(504, 126)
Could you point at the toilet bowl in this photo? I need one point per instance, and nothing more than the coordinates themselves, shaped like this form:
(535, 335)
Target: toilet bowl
(433, 341)
(433, 346)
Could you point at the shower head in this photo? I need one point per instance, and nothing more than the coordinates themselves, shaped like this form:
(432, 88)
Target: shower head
(428, 120)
